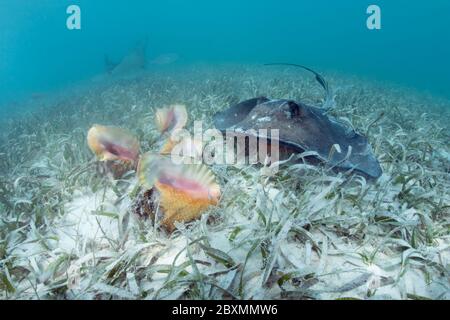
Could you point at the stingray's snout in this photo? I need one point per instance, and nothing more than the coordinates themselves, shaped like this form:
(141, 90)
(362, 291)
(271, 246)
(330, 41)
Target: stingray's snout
(374, 169)
(370, 168)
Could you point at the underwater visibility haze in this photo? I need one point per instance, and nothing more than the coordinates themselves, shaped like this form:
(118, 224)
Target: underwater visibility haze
(39, 53)
(347, 104)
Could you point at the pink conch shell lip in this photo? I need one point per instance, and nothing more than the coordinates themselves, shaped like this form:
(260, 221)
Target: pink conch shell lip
(195, 180)
(119, 151)
(193, 188)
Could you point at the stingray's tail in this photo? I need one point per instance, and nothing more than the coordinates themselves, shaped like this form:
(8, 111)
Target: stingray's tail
(329, 102)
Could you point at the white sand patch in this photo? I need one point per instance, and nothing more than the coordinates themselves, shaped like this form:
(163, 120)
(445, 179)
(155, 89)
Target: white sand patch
(91, 218)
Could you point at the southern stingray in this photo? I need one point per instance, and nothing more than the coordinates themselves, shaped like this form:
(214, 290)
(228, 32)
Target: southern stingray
(134, 61)
(304, 128)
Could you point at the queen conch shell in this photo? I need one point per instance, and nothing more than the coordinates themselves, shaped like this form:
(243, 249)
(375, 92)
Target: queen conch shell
(183, 191)
(112, 143)
(171, 118)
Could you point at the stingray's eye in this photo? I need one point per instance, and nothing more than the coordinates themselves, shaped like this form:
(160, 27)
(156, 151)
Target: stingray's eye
(351, 134)
(295, 109)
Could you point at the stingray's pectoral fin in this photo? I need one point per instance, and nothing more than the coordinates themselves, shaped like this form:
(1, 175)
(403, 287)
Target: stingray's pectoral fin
(235, 114)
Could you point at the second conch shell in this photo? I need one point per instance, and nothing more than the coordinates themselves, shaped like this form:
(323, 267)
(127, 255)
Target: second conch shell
(112, 143)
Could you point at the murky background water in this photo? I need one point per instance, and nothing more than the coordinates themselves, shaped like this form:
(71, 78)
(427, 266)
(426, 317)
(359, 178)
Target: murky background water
(39, 54)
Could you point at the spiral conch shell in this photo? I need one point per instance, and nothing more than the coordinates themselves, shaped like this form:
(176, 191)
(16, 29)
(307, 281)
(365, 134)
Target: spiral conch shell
(171, 118)
(116, 148)
(112, 143)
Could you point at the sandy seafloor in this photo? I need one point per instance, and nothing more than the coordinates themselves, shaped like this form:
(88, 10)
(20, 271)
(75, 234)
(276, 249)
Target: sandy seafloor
(68, 232)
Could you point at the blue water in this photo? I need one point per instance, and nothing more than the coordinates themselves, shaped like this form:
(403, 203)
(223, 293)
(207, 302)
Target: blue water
(38, 53)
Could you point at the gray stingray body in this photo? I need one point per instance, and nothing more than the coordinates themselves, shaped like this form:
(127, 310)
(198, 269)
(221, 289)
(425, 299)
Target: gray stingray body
(134, 61)
(304, 128)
